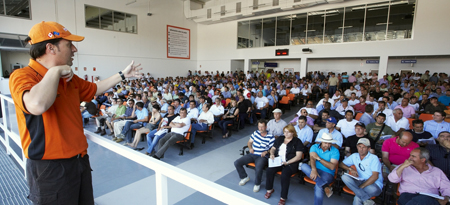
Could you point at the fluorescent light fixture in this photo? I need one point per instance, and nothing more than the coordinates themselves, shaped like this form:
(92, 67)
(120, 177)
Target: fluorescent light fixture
(345, 27)
(309, 30)
(379, 24)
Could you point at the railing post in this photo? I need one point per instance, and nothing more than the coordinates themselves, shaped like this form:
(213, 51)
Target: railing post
(5, 125)
(162, 197)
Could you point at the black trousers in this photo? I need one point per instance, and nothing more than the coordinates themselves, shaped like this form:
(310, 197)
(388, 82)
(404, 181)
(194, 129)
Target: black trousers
(286, 173)
(61, 181)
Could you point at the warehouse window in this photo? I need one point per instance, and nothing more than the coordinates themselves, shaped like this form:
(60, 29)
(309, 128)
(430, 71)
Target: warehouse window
(15, 8)
(107, 19)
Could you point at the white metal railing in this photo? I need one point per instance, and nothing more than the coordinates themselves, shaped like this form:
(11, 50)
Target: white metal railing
(162, 170)
(7, 103)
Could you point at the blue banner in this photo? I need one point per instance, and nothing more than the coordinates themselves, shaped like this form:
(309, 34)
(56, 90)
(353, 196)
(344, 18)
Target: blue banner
(372, 61)
(255, 62)
(271, 65)
(408, 61)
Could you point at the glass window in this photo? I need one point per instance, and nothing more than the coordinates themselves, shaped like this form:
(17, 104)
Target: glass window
(400, 20)
(298, 33)
(255, 33)
(376, 21)
(354, 23)
(243, 34)
(333, 26)
(15, 8)
(269, 31)
(315, 27)
(96, 17)
(283, 30)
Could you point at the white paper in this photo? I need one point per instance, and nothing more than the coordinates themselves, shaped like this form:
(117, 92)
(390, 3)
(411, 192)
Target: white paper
(357, 178)
(276, 162)
(432, 195)
(385, 137)
(160, 132)
(429, 141)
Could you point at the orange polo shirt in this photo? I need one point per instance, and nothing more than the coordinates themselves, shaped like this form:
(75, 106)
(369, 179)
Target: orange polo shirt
(58, 132)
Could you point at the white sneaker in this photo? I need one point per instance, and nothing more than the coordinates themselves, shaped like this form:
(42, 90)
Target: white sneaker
(256, 188)
(369, 202)
(244, 181)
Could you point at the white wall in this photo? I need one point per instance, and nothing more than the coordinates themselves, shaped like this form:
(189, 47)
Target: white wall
(237, 65)
(218, 41)
(13, 57)
(282, 64)
(111, 51)
(438, 65)
(340, 65)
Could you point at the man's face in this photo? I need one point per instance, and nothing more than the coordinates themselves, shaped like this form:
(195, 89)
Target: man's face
(380, 119)
(349, 116)
(362, 149)
(330, 125)
(326, 96)
(325, 145)
(414, 156)
(362, 100)
(277, 116)
(405, 139)
(303, 112)
(192, 105)
(183, 113)
(418, 127)
(262, 127)
(444, 139)
(404, 102)
(260, 94)
(359, 130)
(325, 116)
(438, 117)
(326, 106)
(301, 124)
(170, 110)
(64, 52)
(398, 114)
(130, 103)
(413, 100)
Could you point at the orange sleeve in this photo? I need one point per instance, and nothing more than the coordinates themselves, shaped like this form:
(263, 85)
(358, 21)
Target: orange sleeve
(87, 89)
(20, 82)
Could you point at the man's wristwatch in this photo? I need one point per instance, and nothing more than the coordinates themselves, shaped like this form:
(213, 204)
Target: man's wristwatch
(319, 159)
(122, 75)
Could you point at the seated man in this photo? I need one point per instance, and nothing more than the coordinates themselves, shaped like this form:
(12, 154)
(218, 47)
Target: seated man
(119, 121)
(324, 159)
(408, 111)
(368, 170)
(347, 125)
(261, 104)
(397, 122)
(179, 126)
(367, 118)
(217, 109)
(361, 106)
(382, 108)
(119, 112)
(434, 105)
(312, 112)
(87, 109)
(351, 142)
(353, 101)
(437, 125)
(304, 133)
(344, 107)
(320, 105)
(330, 129)
(192, 110)
(418, 133)
(205, 119)
(141, 114)
(379, 128)
(332, 113)
(320, 124)
(416, 175)
(106, 117)
(155, 135)
(396, 150)
(276, 125)
(439, 153)
(259, 144)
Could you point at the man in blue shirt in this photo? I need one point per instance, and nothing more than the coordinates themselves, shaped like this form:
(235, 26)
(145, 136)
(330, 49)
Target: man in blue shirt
(304, 132)
(273, 98)
(259, 144)
(324, 160)
(366, 181)
(141, 114)
(331, 129)
(445, 99)
(436, 125)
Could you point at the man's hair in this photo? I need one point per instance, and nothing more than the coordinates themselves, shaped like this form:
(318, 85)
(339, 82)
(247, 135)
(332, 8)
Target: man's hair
(382, 102)
(424, 153)
(414, 122)
(396, 110)
(177, 100)
(369, 108)
(443, 132)
(382, 115)
(326, 111)
(348, 111)
(140, 104)
(302, 118)
(138, 95)
(262, 121)
(440, 112)
(182, 109)
(38, 49)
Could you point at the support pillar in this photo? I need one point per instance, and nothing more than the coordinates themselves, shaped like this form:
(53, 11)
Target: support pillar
(303, 67)
(382, 69)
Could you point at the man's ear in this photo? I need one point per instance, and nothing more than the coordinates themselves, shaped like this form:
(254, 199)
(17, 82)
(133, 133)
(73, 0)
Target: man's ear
(50, 48)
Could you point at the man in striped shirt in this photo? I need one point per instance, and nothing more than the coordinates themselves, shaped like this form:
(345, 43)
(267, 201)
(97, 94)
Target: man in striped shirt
(259, 144)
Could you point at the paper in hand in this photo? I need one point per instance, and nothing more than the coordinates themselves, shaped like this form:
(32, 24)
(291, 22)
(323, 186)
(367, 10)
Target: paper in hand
(276, 162)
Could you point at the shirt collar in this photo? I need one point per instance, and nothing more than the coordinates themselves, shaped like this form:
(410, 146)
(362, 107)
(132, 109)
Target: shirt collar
(39, 68)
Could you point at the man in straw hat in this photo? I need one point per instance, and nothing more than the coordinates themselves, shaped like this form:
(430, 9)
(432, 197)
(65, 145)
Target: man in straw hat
(324, 160)
(46, 95)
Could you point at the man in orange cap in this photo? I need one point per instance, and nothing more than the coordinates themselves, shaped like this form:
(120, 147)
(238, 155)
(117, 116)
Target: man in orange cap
(47, 95)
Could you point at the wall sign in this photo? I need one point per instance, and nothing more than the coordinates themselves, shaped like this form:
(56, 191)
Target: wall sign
(408, 61)
(178, 42)
(255, 62)
(372, 61)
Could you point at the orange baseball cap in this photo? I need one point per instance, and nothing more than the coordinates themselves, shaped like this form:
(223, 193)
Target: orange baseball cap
(50, 30)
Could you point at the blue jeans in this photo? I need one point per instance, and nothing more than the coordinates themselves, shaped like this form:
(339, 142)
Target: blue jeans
(152, 140)
(128, 130)
(263, 114)
(361, 195)
(86, 114)
(416, 199)
(260, 163)
(332, 90)
(325, 178)
(197, 127)
(223, 124)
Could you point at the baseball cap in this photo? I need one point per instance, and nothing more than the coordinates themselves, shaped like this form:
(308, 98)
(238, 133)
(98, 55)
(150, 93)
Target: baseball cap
(50, 30)
(364, 141)
(360, 124)
(345, 100)
(332, 120)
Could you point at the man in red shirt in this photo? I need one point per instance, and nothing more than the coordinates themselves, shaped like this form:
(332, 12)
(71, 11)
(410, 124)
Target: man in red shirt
(396, 150)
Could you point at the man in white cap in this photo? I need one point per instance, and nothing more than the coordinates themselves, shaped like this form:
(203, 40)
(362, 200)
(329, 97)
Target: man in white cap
(324, 160)
(275, 126)
(367, 180)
